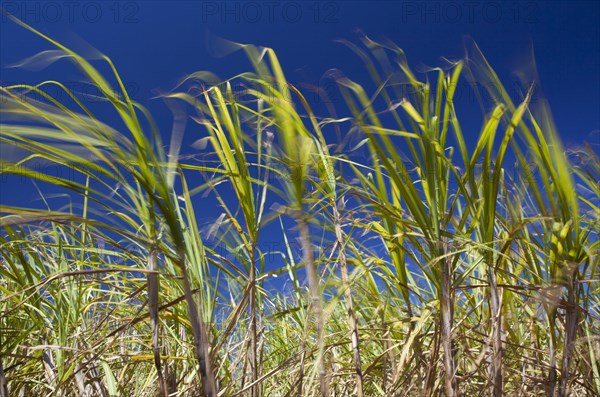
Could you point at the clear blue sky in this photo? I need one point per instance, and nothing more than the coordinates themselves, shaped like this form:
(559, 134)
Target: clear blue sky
(154, 43)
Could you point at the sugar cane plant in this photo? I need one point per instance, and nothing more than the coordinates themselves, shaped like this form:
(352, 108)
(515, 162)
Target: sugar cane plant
(429, 266)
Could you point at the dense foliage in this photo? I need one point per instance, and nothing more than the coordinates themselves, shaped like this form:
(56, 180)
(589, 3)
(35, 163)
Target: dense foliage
(432, 265)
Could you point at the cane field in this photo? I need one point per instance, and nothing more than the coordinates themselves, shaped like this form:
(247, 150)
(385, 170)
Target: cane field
(374, 248)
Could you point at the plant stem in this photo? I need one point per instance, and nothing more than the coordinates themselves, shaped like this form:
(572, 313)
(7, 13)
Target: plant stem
(313, 285)
(352, 323)
(450, 385)
(153, 291)
(200, 337)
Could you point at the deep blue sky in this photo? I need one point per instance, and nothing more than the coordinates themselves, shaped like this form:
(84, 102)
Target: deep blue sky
(155, 43)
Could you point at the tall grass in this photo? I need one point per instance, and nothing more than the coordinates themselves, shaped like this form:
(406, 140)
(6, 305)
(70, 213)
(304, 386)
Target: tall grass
(432, 266)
